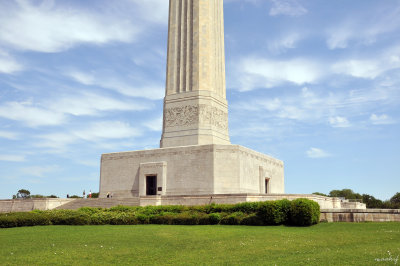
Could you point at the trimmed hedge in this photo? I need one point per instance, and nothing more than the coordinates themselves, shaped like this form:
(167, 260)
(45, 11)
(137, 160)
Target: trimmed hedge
(299, 212)
(304, 212)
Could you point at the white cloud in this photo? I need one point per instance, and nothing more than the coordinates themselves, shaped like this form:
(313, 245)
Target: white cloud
(340, 109)
(102, 133)
(8, 135)
(359, 68)
(39, 171)
(8, 64)
(317, 153)
(370, 67)
(363, 28)
(31, 115)
(87, 103)
(27, 26)
(339, 121)
(155, 124)
(83, 78)
(287, 7)
(110, 81)
(381, 119)
(12, 158)
(258, 72)
(55, 141)
(153, 10)
(284, 43)
(107, 130)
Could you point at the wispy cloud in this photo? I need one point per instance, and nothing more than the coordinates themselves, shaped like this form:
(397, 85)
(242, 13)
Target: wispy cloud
(149, 89)
(155, 124)
(12, 158)
(48, 28)
(153, 10)
(30, 114)
(8, 64)
(102, 133)
(256, 72)
(284, 43)
(370, 66)
(339, 121)
(317, 153)
(107, 130)
(86, 103)
(287, 7)
(39, 171)
(8, 135)
(382, 119)
(363, 29)
(314, 106)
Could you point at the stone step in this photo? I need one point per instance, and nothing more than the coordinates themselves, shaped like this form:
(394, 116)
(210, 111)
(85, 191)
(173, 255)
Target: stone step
(100, 203)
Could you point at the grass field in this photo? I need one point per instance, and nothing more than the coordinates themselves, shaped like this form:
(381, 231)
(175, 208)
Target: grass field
(323, 244)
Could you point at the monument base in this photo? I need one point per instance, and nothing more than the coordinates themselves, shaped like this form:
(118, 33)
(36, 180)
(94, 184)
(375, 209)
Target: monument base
(190, 170)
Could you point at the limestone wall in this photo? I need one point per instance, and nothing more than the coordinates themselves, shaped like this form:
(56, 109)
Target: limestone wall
(358, 215)
(24, 205)
(191, 170)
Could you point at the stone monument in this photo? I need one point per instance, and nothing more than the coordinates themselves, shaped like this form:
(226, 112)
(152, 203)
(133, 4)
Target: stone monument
(195, 157)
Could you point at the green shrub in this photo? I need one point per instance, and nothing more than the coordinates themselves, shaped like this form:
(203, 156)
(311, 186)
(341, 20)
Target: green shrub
(185, 218)
(18, 219)
(270, 213)
(125, 218)
(304, 212)
(164, 218)
(300, 212)
(90, 210)
(232, 219)
(246, 207)
(68, 217)
(214, 218)
(121, 208)
(8, 220)
(204, 218)
(252, 219)
(143, 218)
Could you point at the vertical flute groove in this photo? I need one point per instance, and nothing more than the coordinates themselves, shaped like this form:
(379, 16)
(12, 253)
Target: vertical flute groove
(189, 45)
(178, 56)
(183, 45)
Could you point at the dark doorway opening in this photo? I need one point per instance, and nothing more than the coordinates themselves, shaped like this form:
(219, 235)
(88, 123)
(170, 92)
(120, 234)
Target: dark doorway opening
(151, 185)
(266, 185)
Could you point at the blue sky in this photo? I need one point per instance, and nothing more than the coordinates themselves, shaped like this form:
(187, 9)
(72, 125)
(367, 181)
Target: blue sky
(313, 83)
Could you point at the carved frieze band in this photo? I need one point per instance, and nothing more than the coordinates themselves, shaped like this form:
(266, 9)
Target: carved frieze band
(202, 114)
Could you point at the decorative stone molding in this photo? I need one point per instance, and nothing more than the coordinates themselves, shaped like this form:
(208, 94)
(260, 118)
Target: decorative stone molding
(190, 115)
(211, 115)
(181, 116)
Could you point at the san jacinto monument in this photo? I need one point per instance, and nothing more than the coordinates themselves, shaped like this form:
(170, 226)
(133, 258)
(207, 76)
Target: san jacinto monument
(195, 155)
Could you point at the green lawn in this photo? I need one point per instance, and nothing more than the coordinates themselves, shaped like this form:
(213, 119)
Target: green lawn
(323, 244)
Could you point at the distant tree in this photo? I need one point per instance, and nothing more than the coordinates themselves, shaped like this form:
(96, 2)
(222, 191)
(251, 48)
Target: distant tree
(372, 202)
(396, 198)
(320, 194)
(74, 197)
(23, 193)
(52, 197)
(38, 196)
(345, 193)
(95, 195)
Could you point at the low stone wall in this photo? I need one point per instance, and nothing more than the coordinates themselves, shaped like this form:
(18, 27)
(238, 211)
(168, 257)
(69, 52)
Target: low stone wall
(367, 215)
(324, 202)
(47, 204)
(25, 205)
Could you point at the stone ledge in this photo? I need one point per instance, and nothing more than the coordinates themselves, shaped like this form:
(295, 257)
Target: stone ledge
(389, 211)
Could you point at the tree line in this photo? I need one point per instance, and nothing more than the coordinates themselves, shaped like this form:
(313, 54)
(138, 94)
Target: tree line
(369, 200)
(26, 194)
